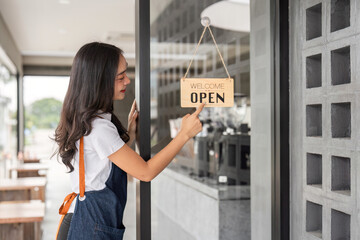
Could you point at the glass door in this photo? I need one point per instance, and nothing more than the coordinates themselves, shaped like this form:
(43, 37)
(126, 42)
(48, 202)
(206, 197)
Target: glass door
(205, 191)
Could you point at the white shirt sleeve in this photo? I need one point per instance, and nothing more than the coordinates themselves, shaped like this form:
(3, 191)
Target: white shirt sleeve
(105, 138)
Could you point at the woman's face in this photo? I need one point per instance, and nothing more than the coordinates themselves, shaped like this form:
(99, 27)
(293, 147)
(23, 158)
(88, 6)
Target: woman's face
(121, 79)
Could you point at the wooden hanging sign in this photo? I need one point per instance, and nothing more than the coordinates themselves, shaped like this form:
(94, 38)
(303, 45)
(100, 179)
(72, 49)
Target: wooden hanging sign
(215, 92)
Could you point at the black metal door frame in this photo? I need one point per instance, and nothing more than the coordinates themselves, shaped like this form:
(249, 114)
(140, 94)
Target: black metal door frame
(142, 94)
(281, 165)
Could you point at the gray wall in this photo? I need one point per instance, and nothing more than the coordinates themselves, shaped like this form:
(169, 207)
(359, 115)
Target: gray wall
(8, 44)
(324, 119)
(261, 66)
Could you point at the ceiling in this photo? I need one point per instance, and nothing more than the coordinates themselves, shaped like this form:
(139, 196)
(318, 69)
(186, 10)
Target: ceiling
(56, 29)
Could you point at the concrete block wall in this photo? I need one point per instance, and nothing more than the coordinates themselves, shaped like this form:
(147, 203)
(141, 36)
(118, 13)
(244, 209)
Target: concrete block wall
(325, 117)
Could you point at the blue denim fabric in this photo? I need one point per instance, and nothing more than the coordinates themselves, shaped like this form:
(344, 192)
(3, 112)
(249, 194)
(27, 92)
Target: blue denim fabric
(100, 215)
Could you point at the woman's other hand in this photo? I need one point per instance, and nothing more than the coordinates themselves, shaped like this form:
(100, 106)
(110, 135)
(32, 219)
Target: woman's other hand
(190, 124)
(133, 114)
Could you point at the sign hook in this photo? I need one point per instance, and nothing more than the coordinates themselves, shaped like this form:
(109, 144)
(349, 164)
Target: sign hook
(205, 21)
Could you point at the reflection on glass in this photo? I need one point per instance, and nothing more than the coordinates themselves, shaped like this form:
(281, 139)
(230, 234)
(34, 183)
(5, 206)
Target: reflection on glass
(205, 191)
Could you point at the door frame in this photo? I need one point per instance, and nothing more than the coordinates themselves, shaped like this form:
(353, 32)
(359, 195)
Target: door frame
(280, 221)
(142, 95)
(281, 171)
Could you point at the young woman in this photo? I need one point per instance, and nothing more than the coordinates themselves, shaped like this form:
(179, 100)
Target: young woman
(95, 146)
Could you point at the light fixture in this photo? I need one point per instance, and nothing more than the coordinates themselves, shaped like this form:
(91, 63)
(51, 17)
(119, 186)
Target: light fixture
(62, 31)
(229, 14)
(64, 1)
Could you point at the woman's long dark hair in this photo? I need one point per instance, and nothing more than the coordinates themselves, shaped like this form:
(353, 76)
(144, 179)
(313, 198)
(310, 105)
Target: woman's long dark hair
(91, 89)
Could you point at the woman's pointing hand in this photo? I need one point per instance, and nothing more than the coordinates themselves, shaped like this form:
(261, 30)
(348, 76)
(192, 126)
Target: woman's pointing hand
(191, 125)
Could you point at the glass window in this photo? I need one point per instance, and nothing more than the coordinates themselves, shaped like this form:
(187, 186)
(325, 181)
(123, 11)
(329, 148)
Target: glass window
(165, 77)
(209, 61)
(177, 24)
(8, 118)
(192, 14)
(171, 75)
(165, 34)
(231, 52)
(219, 64)
(171, 30)
(205, 191)
(185, 19)
(42, 113)
(192, 38)
(159, 36)
(177, 72)
(245, 48)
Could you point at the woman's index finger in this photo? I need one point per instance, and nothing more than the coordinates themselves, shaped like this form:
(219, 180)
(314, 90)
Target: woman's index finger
(199, 109)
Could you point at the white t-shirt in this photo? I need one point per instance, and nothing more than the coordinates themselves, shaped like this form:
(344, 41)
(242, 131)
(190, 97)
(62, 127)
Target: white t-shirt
(103, 141)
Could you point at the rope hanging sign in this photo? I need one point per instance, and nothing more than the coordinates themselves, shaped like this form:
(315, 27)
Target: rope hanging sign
(215, 92)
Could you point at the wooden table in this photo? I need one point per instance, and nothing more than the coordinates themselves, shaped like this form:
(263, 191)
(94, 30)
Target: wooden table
(21, 220)
(31, 160)
(29, 169)
(29, 188)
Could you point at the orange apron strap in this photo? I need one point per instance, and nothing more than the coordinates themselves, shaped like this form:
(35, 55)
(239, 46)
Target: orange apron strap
(81, 168)
(64, 208)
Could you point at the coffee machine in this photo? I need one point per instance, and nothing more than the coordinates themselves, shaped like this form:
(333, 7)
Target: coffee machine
(223, 148)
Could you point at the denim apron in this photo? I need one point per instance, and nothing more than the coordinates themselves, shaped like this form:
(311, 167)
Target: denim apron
(97, 214)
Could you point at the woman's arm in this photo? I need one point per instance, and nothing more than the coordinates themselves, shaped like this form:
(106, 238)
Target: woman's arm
(132, 163)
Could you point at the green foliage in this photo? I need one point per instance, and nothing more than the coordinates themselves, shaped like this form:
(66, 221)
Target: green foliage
(43, 113)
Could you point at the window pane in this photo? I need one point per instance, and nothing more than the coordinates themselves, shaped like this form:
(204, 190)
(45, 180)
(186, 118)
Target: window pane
(205, 191)
(8, 119)
(43, 98)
